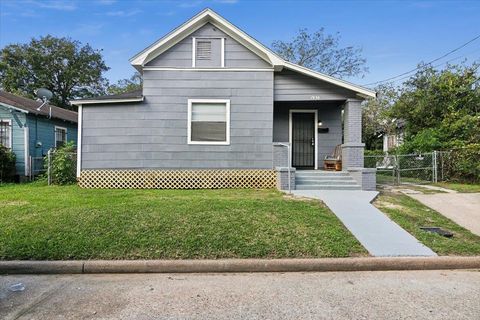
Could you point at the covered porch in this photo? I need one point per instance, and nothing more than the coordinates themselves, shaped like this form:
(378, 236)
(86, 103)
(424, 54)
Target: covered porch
(306, 132)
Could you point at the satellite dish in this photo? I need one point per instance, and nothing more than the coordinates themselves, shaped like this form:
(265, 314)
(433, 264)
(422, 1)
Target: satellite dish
(44, 94)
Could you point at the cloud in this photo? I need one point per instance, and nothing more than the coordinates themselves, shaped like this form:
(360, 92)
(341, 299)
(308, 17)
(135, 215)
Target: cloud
(167, 13)
(196, 3)
(106, 2)
(190, 4)
(121, 13)
(89, 29)
(67, 5)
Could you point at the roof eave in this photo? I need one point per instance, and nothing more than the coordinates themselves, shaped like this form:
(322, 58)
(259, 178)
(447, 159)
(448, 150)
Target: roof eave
(13, 108)
(103, 101)
(208, 15)
(361, 91)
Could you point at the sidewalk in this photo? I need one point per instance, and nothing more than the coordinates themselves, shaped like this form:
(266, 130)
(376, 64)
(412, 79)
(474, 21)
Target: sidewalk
(376, 232)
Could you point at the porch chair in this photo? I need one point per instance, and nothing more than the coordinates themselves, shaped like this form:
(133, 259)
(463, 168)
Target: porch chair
(334, 161)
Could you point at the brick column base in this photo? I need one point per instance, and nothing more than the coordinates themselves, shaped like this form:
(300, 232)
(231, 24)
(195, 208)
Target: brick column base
(352, 155)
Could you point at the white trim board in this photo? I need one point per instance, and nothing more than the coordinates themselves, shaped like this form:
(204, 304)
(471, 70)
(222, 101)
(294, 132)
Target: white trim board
(315, 119)
(82, 102)
(79, 141)
(27, 149)
(207, 69)
(12, 107)
(189, 121)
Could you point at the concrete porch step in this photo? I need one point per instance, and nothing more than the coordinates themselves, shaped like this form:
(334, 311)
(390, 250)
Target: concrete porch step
(327, 187)
(325, 182)
(322, 178)
(318, 173)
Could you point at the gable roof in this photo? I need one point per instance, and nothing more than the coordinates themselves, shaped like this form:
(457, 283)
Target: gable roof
(26, 105)
(205, 16)
(131, 96)
(209, 16)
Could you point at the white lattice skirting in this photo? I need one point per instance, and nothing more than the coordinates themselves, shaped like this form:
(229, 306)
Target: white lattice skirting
(178, 179)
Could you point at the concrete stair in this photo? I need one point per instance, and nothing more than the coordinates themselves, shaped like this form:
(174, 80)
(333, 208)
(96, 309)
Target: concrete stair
(324, 180)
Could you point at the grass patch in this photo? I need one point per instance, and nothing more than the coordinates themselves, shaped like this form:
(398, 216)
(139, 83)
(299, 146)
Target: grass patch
(411, 215)
(42, 222)
(460, 187)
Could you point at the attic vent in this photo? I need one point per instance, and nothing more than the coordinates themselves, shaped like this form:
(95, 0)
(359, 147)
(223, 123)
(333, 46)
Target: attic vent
(204, 50)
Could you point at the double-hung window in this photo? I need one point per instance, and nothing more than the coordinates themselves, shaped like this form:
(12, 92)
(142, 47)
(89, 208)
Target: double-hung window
(208, 121)
(60, 136)
(6, 133)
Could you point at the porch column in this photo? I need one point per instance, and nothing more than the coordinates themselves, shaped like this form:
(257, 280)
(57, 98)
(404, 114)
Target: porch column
(352, 148)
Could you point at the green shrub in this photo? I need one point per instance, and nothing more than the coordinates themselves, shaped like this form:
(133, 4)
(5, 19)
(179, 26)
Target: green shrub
(7, 164)
(462, 165)
(63, 164)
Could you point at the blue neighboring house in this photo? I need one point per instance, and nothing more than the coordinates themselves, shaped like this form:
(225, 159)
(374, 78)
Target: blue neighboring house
(30, 133)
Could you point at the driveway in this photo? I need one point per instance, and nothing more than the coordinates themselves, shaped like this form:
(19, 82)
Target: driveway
(462, 208)
(349, 295)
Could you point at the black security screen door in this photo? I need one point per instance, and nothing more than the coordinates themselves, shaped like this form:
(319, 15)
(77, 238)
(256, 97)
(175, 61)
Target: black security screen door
(303, 140)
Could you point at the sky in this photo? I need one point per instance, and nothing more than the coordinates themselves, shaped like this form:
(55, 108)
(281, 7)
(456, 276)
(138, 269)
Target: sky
(394, 35)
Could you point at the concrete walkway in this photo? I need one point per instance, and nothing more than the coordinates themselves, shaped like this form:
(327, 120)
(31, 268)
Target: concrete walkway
(462, 208)
(375, 231)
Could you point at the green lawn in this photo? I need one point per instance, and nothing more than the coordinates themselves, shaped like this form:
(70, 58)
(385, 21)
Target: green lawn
(42, 222)
(460, 187)
(411, 215)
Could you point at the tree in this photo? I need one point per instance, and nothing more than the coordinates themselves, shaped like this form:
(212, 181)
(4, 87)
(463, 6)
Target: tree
(64, 66)
(321, 52)
(441, 108)
(126, 85)
(376, 116)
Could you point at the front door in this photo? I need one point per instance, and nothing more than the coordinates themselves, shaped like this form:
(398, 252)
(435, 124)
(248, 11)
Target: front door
(303, 140)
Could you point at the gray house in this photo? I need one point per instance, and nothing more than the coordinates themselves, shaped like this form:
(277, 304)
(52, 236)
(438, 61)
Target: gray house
(217, 105)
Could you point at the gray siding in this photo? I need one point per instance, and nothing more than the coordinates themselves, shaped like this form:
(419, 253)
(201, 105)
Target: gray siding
(293, 86)
(329, 113)
(153, 134)
(236, 55)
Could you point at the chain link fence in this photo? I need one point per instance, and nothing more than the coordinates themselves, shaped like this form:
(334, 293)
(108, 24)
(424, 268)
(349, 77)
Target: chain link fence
(36, 167)
(404, 168)
(431, 167)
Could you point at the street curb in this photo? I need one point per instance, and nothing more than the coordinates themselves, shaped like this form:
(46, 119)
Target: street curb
(239, 265)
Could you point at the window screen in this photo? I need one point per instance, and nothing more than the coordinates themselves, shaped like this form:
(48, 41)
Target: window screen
(5, 133)
(204, 50)
(60, 137)
(209, 122)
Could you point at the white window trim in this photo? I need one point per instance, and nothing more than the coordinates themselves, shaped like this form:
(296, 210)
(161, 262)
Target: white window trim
(222, 49)
(55, 134)
(290, 133)
(189, 124)
(10, 137)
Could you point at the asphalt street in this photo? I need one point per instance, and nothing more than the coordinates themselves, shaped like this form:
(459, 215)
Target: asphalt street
(332, 295)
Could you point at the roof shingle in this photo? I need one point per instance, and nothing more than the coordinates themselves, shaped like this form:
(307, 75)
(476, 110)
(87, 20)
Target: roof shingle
(31, 106)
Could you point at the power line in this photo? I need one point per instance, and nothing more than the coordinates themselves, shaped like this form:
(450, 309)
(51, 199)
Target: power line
(440, 64)
(434, 60)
